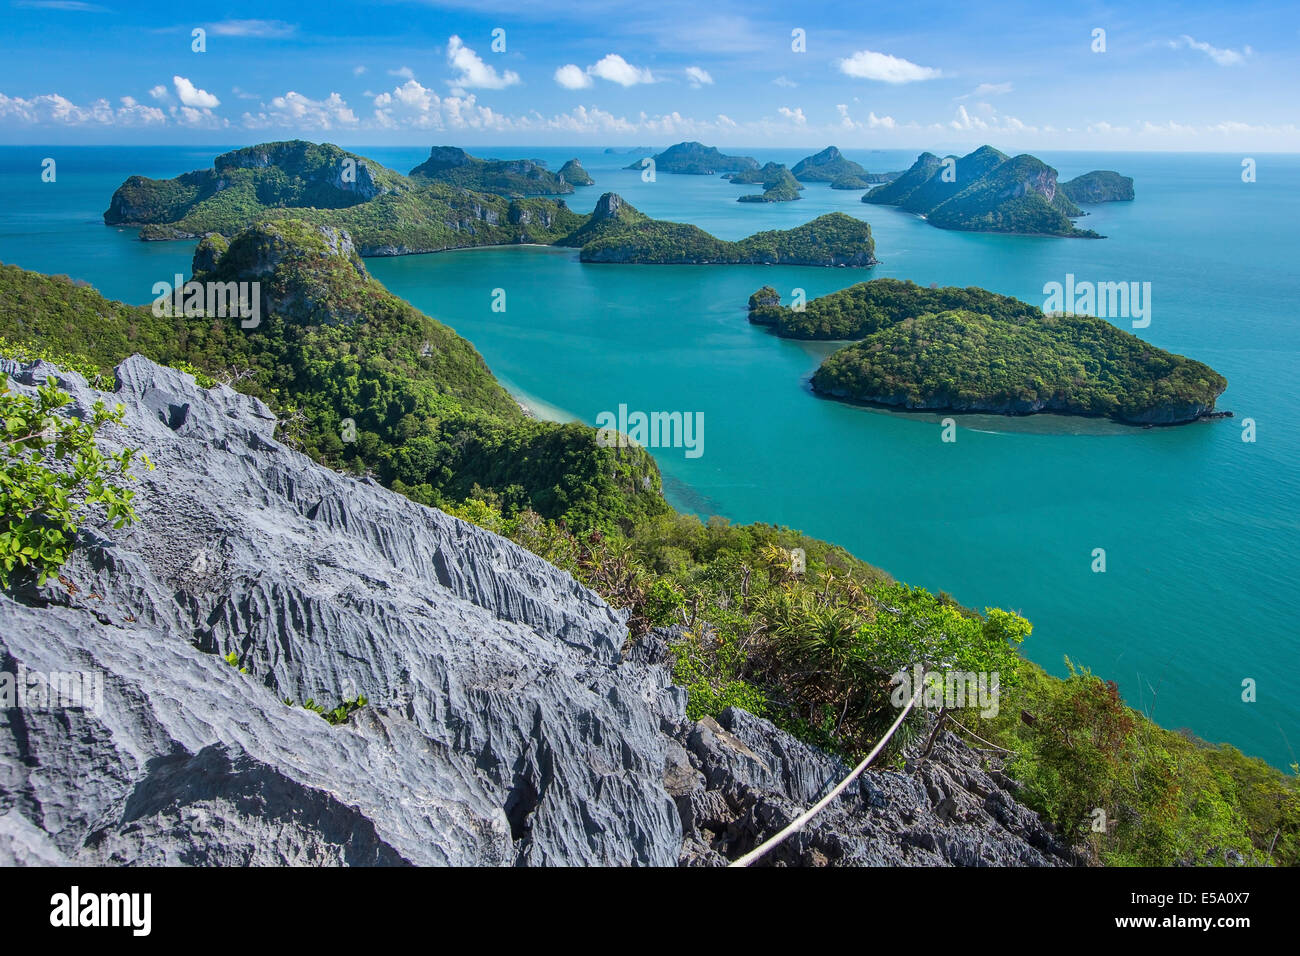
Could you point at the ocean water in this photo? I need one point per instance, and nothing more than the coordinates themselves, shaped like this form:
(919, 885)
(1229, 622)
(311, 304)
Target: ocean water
(1199, 527)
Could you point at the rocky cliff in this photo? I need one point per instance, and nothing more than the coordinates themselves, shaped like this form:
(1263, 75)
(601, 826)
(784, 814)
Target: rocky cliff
(504, 722)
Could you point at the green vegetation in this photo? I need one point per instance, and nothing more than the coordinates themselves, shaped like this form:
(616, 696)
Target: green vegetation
(334, 346)
(696, 159)
(778, 184)
(515, 178)
(385, 212)
(616, 232)
(974, 350)
(867, 307)
(572, 172)
(336, 716)
(830, 166)
(53, 473)
(984, 191)
(1100, 185)
(964, 361)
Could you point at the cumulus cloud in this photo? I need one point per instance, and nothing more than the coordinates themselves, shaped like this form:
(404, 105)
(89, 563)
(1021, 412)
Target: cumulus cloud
(794, 115)
(57, 110)
(870, 65)
(698, 76)
(572, 77)
(873, 121)
(190, 95)
(302, 112)
(786, 82)
(1223, 57)
(614, 68)
(473, 73)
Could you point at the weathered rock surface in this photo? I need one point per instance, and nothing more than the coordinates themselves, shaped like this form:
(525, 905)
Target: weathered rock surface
(501, 727)
(504, 723)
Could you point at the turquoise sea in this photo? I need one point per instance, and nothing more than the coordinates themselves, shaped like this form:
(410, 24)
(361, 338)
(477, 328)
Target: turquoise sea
(1199, 527)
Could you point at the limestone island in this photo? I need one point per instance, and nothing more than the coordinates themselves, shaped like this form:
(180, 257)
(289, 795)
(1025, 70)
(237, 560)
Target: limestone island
(971, 350)
(1100, 185)
(830, 166)
(618, 232)
(696, 159)
(778, 184)
(388, 214)
(985, 191)
(513, 178)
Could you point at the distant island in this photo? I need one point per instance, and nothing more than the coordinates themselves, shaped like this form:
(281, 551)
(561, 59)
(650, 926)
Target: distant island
(696, 159)
(617, 232)
(572, 172)
(778, 184)
(1100, 185)
(512, 178)
(971, 350)
(830, 166)
(388, 214)
(985, 191)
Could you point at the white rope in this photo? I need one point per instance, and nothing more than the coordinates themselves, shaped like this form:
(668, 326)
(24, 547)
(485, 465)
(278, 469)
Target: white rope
(802, 820)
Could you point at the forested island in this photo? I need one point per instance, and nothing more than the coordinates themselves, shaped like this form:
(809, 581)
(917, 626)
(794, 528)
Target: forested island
(1100, 185)
(971, 350)
(759, 643)
(512, 178)
(985, 191)
(778, 184)
(831, 166)
(696, 159)
(387, 213)
(618, 232)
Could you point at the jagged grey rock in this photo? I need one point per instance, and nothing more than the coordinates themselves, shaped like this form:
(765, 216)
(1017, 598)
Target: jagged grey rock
(502, 726)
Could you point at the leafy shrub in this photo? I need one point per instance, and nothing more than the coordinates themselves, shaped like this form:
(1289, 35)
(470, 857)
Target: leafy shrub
(53, 473)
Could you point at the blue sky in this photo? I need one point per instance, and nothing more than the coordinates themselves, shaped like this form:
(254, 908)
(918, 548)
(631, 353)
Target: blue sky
(1181, 76)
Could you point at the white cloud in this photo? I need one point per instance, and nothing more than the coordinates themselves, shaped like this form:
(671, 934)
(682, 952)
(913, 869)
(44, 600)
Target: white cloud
(698, 77)
(870, 65)
(873, 121)
(473, 72)
(1223, 57)
(786, 82)
(794, 115)
(265, 29)
(358, 70)
(409, 105)
(403, 71)
(614, 68)
(988, 89)
(53, 109)
(159, 92)
(301, 112)
(571, 77)
(191, 95)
